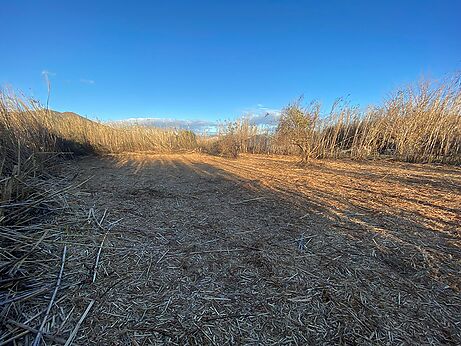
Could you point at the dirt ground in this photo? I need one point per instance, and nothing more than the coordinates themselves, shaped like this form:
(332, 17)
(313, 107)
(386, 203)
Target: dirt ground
(260, 250)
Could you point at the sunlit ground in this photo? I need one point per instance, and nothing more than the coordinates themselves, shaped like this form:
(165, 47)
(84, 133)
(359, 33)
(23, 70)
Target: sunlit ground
(217, 250)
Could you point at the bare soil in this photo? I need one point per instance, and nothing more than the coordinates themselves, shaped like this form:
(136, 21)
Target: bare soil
(260, 250)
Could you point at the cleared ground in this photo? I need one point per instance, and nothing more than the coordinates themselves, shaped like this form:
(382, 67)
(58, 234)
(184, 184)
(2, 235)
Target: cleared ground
(260, 250)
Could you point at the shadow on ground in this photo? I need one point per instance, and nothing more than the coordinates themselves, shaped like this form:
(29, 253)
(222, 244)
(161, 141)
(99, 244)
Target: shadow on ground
(261, 251)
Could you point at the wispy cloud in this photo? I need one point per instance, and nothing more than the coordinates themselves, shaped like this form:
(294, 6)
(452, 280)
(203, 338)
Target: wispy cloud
(86, 81)
(258, 115)
(262, 116)
(48, 74)
(193, 125)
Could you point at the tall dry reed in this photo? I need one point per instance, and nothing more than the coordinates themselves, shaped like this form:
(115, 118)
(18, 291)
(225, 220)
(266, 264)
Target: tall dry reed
(419, 123)
(28, 131)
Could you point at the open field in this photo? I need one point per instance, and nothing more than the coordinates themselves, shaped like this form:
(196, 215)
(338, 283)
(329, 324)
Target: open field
(167, 248)
(230, 173)
(260, 250)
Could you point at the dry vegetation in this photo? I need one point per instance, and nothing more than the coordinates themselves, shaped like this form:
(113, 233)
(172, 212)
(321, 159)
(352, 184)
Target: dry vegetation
(337, 251)
(36, 219)
(27, 129)
(259, 250)
(416, 124)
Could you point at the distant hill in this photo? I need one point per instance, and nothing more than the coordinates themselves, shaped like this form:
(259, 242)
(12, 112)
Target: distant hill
(70, 115)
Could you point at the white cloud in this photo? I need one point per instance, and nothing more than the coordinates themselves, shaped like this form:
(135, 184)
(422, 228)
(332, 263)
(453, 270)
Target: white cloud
(194, 125)
(262, 116)
(87, 81)
(47, 73)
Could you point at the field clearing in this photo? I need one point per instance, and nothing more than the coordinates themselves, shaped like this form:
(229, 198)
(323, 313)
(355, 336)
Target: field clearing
(204, 177)
(209, 250)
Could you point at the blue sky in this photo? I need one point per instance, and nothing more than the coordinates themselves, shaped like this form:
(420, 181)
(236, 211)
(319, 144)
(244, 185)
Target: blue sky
(218, 59)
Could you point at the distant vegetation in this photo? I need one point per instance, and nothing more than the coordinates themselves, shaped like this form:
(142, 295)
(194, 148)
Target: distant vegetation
(28, 130)
(416, 124)
(420, 124)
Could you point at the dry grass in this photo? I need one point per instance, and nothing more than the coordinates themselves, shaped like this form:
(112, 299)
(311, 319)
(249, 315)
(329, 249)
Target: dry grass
(216, 251)
(37, 220)
(333, 252)
(416, 124)
(27, 129)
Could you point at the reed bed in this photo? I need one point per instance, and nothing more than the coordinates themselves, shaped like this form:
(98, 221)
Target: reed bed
(419, 123)
(102, 138)
(242, 136)
(51, 246)
(27, 129)
(416, 124)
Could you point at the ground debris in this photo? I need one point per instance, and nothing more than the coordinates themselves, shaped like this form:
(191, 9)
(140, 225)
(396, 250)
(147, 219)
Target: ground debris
(335, 253)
